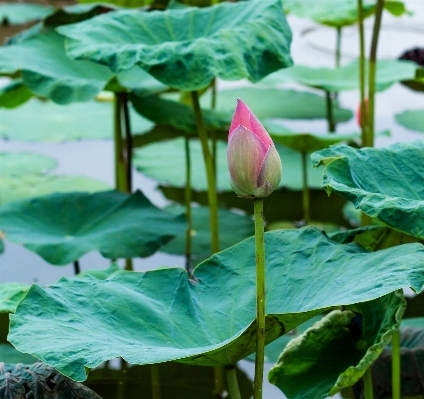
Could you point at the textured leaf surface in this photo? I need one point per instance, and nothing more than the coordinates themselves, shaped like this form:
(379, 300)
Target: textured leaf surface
(19, 13)
(169, 167)
(233, 229)
(277, 103)
(186, 48)
(384, 183)
(10, 296)
(8, 354)
(345, 77)
(18, 381)
(160, 315)
(49, 122)
(312, 366)
(23, 163)
(28, 186)
(412, 119)
(63, 227)
(343, 12)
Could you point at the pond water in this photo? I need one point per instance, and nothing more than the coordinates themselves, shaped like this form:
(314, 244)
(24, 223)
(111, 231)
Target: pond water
(312, 45)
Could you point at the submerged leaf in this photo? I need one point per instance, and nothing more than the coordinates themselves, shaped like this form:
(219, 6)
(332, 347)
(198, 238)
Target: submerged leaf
(186, 48)
(160, 315)
(63, 227)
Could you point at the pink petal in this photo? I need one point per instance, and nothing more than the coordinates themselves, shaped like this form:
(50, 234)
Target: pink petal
(243, 116)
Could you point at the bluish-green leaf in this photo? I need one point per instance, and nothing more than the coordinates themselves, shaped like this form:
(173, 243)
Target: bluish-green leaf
(384, 183)
(160, 315)
(186, 48)
(10, 296)
(20, 13)
(8, 354)
(412, 119)
(14, 164)
(63, 227)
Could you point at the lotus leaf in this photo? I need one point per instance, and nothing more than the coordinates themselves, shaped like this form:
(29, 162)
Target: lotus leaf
(186, 48)
(311, 365)
(412, 119)
(169, 168)
(10, 296)
(233, 229)
(18, 381)
(277, 103)
(55, 123)
(8, 354)
(24, 163)
(20, 13)
(345, 77)
(161, 315)
(63, 227)
(384, 183)
(28, 186)
(14, 94)
(343, 12)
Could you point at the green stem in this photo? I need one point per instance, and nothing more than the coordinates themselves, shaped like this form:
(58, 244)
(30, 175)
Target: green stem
(330, 116)
(369, 142)
(338, 46)
(305, 195)
(368, 387)
(396, 365)
(188, 205)
(364, 122)
(260, 298)
(214, 140)
(232, 383)
(207, 157)
(155, 381)
(128, 143)
(120, 178)
(77, 269)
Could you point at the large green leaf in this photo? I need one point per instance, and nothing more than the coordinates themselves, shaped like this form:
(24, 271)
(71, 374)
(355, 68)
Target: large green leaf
(345, 77)
(24, 163)
(39, 381)
(384, 183)
(28, 186)
(14, 94)
(169, 166)
(277, 103)
(338, 13)
(335, 352)
(186, 48)
(20, 13)
(45, 121)
(161, 315)
(233, 228)
(412, 119)
(10, 296)
(8, 354)
(63, 227)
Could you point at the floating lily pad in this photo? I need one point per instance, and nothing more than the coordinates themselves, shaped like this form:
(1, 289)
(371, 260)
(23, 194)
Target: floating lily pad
(14, 94)
(169, 167)
(20, 13)
(63, 227)
(233, 229)
(8, 354)
(24, 163)
(47, 122)
(338, 13)
(186, 48)
(160, 315)
(384, 183)
(311, 366)
(345, 77)
(40, 380)
(277, 103)
(412, 119)
(10, 296)
(28, 186)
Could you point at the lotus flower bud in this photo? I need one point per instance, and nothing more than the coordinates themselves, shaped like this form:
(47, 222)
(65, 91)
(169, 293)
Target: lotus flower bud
(253, 161)
(359, 114)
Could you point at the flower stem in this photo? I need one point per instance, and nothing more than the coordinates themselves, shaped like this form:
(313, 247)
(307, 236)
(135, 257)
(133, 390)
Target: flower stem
(369, 142)
(368, 387)
(232, 383)
(120, 178)
(338, 46)
(396, 365)
(155, 381)
(260, 298)
(77, 269)
(305, 194)
(188, 205)
(128, 142)
(364, 122)
(207, 157)
(330, 114)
